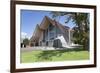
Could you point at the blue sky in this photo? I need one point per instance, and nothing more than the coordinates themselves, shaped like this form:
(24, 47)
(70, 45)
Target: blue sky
(30, 18)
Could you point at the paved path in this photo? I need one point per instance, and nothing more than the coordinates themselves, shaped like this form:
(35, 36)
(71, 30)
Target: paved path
(40, 48)
(47, 48)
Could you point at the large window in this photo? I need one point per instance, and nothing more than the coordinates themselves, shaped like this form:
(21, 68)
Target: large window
(58, 31)
(52, 32)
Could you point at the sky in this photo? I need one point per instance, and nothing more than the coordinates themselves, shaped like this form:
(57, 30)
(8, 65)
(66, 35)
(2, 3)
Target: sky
(30, 18)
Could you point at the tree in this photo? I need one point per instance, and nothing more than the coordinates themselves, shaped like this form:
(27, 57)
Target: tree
(26, 41)
(81, 29)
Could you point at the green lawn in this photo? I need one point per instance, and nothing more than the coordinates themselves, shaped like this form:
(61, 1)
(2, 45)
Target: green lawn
(58, 55)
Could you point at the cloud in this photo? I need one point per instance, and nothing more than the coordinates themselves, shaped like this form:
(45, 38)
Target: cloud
(23, 34)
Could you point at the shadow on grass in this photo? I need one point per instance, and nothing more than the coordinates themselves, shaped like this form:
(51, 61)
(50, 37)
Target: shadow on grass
(48, 54)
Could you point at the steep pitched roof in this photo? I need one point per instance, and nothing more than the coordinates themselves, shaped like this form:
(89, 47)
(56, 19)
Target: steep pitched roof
(44, 25)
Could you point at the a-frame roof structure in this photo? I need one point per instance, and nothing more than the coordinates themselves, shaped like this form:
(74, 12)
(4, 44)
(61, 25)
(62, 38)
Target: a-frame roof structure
(44, 25)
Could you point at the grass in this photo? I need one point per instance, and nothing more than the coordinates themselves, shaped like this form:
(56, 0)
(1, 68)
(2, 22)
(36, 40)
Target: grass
(53, 55)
